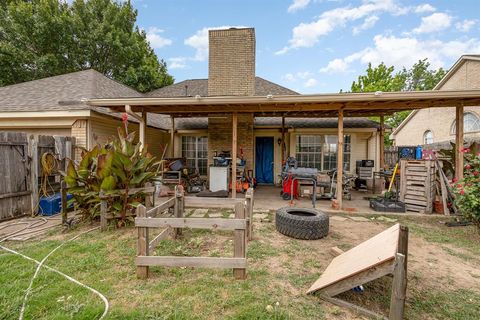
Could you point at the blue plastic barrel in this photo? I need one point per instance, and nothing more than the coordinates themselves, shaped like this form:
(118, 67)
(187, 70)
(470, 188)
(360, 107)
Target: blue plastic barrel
(418, 153)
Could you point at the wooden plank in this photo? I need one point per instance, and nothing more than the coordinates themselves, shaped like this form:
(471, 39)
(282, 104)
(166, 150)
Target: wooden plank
(339, 190)
(15, 194)
(443, 189)
(33, 144)
(193, 223)
(178, 207)
(196, 262)
(382, 142)
(210, 202)
(240, 242)
(103, 212)
(361, 278)
(130, 192)
(367, 255)
(399, 289)
(161, 207)
(161, 236)
(249, 207)
(172, 138)
(142, 244)
(234, 155)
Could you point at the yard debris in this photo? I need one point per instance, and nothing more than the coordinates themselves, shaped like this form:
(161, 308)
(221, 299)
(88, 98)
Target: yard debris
(386, 219)
(336, 251)
(359, 219)
(338, 218)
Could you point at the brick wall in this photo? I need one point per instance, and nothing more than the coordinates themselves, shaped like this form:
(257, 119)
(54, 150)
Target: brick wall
(220, 136)
(231, 64)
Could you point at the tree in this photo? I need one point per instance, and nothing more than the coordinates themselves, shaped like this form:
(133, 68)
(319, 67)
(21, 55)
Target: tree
(43, 38)
(383, 78)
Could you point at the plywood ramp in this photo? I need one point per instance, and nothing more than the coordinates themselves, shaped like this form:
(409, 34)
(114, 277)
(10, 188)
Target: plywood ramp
(369, 254)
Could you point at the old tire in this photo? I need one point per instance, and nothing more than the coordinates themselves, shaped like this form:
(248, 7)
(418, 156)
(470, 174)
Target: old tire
(299, 223)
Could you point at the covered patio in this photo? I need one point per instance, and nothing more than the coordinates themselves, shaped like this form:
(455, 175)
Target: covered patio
(341, 105)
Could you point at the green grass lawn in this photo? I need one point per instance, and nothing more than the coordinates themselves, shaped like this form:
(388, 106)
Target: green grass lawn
(280, 270)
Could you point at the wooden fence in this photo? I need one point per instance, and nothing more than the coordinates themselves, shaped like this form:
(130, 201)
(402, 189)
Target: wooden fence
(241, 225)
(21, 171)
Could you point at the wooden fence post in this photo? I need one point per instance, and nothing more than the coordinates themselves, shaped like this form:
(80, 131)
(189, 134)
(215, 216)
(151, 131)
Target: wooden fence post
(33, 146)
(63, 190)
(249, 208)
(399, 289)
(103, 212)
(240, 242)
(142, 243)
(178, 207)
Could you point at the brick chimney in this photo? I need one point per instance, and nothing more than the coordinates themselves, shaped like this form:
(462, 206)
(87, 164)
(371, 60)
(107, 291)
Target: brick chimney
(231, 62)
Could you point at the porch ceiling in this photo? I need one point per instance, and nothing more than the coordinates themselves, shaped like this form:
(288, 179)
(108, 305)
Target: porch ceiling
(318, 105)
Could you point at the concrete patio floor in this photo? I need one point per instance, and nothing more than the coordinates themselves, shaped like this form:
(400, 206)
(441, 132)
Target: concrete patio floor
(268, 198)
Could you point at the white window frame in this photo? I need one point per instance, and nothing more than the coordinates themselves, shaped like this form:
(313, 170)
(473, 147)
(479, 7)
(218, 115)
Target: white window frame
(426, 138)
(476, 122)
(197, 151)
(325, 148)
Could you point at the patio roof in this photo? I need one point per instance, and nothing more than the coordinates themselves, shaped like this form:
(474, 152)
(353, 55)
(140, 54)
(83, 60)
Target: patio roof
(318, 105)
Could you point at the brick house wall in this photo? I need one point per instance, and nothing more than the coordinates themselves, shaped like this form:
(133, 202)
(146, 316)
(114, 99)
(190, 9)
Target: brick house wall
(440, 120)
(231, 72)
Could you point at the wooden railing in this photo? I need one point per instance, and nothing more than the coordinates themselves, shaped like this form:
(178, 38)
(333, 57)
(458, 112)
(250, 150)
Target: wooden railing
(241, 225)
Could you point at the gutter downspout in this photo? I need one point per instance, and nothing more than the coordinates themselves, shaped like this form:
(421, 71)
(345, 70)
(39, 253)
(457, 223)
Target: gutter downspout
(141, 120)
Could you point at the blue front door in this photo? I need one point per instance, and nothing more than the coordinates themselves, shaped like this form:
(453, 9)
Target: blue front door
(264, 160)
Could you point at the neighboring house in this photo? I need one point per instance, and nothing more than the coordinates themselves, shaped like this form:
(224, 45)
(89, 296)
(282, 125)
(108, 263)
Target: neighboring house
(54, 106)
(432, 125)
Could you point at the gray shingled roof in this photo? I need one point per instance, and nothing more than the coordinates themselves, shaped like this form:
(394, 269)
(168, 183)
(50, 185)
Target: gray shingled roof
(66, 92)
(193, 87)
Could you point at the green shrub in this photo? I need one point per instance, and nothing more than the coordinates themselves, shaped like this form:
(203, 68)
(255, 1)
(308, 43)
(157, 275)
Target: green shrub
(114, 168)
(467, 191)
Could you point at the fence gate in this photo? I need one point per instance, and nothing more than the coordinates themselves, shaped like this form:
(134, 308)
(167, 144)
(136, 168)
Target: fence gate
(21, 172)
(15, 186)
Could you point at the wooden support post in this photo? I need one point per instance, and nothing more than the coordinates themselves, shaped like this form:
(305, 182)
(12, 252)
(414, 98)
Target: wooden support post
(178, 207)
(339, 191)
(234, 155)
(240, 242)
(142, 243)
(399, 289)
(172, 138)
(142, 129)
(459, 142)
(283, 140)
(249, 208)
(63, 192)
(403, 244)
(103, 212)
(33, 146)
(382, 143)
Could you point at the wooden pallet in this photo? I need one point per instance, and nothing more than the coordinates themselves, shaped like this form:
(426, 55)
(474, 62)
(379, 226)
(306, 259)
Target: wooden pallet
(417, 189)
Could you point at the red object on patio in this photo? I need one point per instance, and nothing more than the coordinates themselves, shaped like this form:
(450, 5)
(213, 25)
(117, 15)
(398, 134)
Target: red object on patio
(287, 188)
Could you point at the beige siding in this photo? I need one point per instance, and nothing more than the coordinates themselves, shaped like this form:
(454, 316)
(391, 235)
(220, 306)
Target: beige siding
(103, 129)
(42, 131)
(80, 132)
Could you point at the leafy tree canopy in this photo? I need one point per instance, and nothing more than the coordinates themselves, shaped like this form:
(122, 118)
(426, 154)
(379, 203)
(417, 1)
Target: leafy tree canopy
(383, 78)
(43, 38)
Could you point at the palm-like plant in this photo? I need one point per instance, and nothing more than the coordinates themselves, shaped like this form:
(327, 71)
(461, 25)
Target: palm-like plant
(113, 169)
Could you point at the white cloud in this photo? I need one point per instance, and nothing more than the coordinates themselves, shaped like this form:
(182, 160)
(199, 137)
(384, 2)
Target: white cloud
(433, 23)
(177, 63)
(293, 77)
(298, 5)
(155, 38)
(465, 25)
(404, 52)
(199, 41)
(308, 34)
(424, 8)
(310, 83)
(336, 65)
(368, 23)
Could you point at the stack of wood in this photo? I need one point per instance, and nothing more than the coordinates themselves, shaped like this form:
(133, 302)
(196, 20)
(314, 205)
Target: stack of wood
(417, 188)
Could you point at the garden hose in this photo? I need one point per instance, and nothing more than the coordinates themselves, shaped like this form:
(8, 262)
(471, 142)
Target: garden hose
(49, 164)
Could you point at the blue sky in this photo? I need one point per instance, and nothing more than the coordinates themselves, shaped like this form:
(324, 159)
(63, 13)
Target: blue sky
(314, 46)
